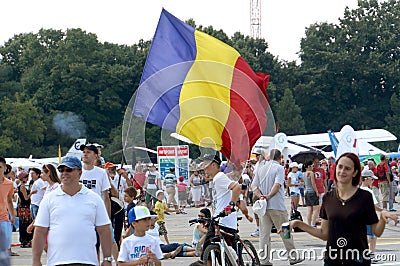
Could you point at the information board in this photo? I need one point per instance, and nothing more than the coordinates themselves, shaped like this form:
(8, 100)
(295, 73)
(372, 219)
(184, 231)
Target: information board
(173, 156)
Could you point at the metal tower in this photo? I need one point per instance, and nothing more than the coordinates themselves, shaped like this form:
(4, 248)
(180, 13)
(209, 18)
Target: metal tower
(255, 18)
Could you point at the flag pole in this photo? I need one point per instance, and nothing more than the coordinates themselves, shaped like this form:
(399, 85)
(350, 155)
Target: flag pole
(59, 154)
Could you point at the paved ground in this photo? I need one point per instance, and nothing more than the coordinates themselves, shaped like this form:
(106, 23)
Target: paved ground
(180, 231)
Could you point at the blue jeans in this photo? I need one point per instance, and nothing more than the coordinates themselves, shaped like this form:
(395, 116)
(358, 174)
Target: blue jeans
(6, 228)
(34, 210)
(16, 223)
(5, 233)
(171, 247)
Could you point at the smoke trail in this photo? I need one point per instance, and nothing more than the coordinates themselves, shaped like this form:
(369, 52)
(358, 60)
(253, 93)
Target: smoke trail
(70, 124)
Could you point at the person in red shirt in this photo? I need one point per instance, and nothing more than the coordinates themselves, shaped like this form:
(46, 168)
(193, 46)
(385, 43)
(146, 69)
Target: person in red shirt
(331, 171)
(320, 183)
(393, 162)
(138, 180)
(384, 185)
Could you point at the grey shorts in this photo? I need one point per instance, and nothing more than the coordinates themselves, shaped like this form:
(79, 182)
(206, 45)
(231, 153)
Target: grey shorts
(312, 199)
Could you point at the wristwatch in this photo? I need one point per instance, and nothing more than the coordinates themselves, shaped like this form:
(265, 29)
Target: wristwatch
(109, 259)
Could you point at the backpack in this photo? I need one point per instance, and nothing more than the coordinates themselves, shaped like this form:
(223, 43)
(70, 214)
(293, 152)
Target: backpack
(380, 171)
(296, 215)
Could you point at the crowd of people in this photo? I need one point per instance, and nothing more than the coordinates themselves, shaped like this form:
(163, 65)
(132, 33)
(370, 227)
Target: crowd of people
(123, 212)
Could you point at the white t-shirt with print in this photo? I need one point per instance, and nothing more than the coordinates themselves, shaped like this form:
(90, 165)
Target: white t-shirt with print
(96, 180)
(222, 196)
(134, 247)
(153, 179)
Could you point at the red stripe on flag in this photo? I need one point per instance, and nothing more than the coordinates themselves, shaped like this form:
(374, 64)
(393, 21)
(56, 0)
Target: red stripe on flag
(247, 118)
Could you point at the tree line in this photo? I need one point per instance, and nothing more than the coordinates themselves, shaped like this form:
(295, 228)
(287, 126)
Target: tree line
(58, 85)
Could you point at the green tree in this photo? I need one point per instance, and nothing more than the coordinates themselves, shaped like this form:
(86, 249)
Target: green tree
(393, 119)
(350, 70)
(22, 128)
(288, 115)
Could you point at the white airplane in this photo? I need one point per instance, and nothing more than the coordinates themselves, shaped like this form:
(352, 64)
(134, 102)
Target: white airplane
(298, 143)
(30, 162)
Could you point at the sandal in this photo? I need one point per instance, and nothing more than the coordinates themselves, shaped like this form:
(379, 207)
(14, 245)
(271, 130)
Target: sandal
(176, 252)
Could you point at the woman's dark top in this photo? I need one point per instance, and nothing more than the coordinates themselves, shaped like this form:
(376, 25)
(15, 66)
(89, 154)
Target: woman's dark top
(22, 201)
(347, 229)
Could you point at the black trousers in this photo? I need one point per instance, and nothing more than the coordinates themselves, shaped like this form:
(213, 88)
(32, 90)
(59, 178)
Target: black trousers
(117, 221)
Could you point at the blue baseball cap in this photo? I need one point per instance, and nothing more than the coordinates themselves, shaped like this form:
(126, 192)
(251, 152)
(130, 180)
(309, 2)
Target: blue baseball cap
(139, 212)
(70, 162)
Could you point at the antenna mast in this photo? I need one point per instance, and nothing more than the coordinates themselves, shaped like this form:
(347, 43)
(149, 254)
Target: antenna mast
(255, 19)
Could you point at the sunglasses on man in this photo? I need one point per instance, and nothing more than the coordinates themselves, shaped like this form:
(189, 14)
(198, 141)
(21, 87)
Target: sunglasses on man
(65, 169)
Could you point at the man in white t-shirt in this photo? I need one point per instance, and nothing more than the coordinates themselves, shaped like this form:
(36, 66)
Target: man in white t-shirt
(93, 177)
(37, 190)
(68, 218)
(225, 193)
(268, 184)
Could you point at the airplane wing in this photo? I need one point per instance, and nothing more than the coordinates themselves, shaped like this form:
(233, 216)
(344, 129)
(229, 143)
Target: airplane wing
(38, 162)
(322, 139)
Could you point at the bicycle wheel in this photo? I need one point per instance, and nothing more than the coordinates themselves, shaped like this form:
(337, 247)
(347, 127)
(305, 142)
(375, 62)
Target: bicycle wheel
(213, 253)
(248, 254)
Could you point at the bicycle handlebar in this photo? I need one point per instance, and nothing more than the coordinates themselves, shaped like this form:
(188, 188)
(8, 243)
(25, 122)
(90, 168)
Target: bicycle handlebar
(203, 220)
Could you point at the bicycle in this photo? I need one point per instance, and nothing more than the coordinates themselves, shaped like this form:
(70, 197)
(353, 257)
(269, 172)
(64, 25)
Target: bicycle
(242, 254)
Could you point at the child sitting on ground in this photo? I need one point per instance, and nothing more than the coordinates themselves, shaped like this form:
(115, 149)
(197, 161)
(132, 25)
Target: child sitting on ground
(139, 247)
(200, 231)
(161, 208)
(169, 250)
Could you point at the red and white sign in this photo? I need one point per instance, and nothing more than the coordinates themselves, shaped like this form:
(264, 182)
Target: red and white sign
(166, 151)
(183, 151)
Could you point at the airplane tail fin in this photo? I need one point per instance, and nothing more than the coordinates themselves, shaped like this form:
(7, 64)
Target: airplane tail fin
(334, 141)
(75, 148)
(347, 141)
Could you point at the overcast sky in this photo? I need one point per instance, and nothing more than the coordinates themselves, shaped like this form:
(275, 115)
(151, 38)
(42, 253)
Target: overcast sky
(127, 21)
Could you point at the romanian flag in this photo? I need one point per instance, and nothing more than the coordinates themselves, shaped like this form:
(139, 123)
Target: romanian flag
(201, 88)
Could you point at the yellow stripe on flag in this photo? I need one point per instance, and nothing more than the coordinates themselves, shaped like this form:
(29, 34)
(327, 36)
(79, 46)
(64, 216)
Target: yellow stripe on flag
(205, 95)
